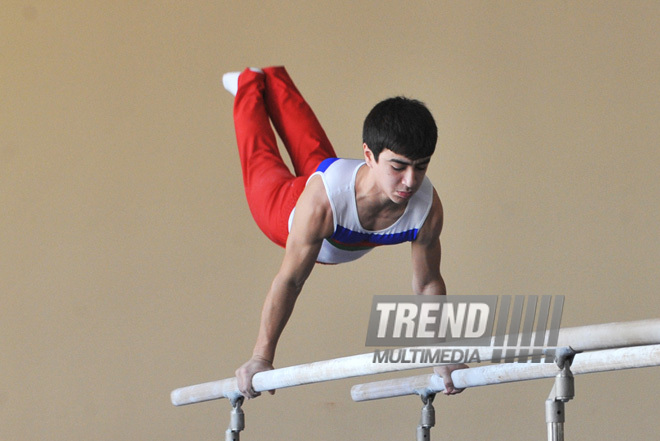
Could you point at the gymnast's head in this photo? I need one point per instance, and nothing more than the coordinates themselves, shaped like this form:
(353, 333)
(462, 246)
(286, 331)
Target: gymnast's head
(403, 125)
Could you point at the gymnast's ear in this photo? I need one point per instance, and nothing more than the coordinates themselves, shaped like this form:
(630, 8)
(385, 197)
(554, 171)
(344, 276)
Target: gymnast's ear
(368, 155)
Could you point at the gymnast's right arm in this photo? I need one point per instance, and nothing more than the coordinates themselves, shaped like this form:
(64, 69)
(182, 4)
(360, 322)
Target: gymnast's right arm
(311, 224)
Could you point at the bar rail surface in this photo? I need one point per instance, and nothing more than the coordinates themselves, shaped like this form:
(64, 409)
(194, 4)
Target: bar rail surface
(582, 338)
(584, 363)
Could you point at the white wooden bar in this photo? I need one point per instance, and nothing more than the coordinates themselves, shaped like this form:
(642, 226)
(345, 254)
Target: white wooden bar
(583, 338)
(584, 363)
(316, 372)
(610, 335)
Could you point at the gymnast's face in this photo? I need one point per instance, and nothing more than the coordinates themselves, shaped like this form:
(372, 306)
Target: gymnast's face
(397, 176)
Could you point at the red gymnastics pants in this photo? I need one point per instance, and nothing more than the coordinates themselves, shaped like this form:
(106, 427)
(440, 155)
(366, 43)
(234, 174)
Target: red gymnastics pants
(271, 189)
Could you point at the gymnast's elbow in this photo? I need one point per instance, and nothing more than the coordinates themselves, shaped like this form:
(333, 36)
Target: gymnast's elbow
(288, 286)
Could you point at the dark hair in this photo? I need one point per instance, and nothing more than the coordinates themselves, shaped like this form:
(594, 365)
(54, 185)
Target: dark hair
(403, 125)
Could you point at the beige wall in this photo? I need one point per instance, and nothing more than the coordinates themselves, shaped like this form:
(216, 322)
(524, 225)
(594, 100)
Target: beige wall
(129, 263)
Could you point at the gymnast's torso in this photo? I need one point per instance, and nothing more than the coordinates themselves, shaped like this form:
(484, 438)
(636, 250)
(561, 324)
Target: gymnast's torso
(350, 240)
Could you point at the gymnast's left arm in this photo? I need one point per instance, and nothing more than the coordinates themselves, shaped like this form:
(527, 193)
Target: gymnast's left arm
(426, 253)
(427, 280)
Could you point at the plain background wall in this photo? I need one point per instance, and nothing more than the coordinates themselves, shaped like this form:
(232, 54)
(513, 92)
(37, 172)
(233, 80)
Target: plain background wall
(130, 265)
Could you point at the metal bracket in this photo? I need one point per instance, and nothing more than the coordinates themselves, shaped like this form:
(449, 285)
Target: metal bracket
(562, 391)
(237, 419)
(428, 418)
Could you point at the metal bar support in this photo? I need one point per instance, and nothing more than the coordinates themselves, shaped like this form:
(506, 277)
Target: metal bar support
(427, 420)
(236, 420)
(562, 391)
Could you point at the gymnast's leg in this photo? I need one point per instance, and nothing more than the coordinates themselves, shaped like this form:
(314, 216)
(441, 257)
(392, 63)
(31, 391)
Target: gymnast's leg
(295, 122)
(270, 187)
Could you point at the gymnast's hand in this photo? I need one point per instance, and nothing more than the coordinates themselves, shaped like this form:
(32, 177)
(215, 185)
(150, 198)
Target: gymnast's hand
(445, 372)
(245, 373)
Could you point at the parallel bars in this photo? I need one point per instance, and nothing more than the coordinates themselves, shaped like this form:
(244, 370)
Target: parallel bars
(580, 339)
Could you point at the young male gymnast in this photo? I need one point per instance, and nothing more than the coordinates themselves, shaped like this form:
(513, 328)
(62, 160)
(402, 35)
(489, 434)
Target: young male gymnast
(332, 210)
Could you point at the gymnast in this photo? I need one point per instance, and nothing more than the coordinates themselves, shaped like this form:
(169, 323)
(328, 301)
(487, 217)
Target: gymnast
(332, 210)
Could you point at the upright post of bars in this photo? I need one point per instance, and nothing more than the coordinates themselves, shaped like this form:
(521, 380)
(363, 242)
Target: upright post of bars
(427, 420)
(236, 420)
(562, 392)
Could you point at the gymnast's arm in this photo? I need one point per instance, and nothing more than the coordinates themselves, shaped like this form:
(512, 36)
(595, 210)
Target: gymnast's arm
(427, 280)
(426, 253)
(311, 224)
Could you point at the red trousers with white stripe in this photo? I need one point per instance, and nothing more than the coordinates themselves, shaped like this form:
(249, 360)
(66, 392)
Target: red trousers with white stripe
(271, 189)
